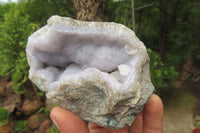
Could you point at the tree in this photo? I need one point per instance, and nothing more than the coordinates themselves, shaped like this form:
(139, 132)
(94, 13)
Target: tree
(133, 14)
(89, 10)
(167, 20)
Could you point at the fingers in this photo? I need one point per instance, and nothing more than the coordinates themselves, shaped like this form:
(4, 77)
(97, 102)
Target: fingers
(68, 122)
(153, 115)
(94, 128)
(149, 121)
(137, 126)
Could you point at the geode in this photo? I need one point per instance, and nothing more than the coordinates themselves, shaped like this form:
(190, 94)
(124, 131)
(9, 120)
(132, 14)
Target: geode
(98, 70)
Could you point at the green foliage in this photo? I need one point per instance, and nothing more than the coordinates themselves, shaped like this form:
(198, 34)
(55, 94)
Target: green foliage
(40, 110)
(20, 126)
(46, 111)
(40, 10)
(53, 129)
(146, 19)
(113, 9)
(41, 93)
(4, 8)
(161, 75)
(13, 37)
(4, 116)
(182, 43)
(174, 59)
(184, 39)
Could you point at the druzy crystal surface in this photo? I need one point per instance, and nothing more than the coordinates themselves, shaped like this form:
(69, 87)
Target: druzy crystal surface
(98, 70)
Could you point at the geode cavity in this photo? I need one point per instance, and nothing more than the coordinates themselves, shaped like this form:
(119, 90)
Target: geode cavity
(98, 70)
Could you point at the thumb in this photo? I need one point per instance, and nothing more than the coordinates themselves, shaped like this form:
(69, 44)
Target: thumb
(68, 122)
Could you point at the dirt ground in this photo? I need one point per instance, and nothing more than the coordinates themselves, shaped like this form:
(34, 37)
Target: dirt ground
(181, 108)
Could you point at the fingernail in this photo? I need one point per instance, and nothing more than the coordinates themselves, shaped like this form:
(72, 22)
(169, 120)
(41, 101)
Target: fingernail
(54, 121)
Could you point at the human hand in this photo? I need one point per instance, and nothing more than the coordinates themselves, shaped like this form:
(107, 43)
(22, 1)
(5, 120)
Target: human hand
(150, 120)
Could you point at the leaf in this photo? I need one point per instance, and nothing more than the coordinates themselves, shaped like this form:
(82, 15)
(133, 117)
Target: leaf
(41, 93)
(40, 110)
(4, 117)
(20, 126)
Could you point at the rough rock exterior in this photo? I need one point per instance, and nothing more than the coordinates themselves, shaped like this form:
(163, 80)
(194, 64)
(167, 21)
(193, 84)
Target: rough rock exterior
(98, 70)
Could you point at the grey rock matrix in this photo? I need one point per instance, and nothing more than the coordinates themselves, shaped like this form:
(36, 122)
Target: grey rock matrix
(98, 70)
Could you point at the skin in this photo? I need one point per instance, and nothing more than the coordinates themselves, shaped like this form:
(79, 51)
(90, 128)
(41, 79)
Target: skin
(150, 120)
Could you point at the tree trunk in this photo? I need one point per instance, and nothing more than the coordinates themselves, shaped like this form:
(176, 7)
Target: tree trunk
(167, 22)
(133, 14)
(163, 25)
(162, 41)
(89, 10)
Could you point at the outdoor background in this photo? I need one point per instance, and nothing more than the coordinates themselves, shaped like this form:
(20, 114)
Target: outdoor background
(170, 29)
